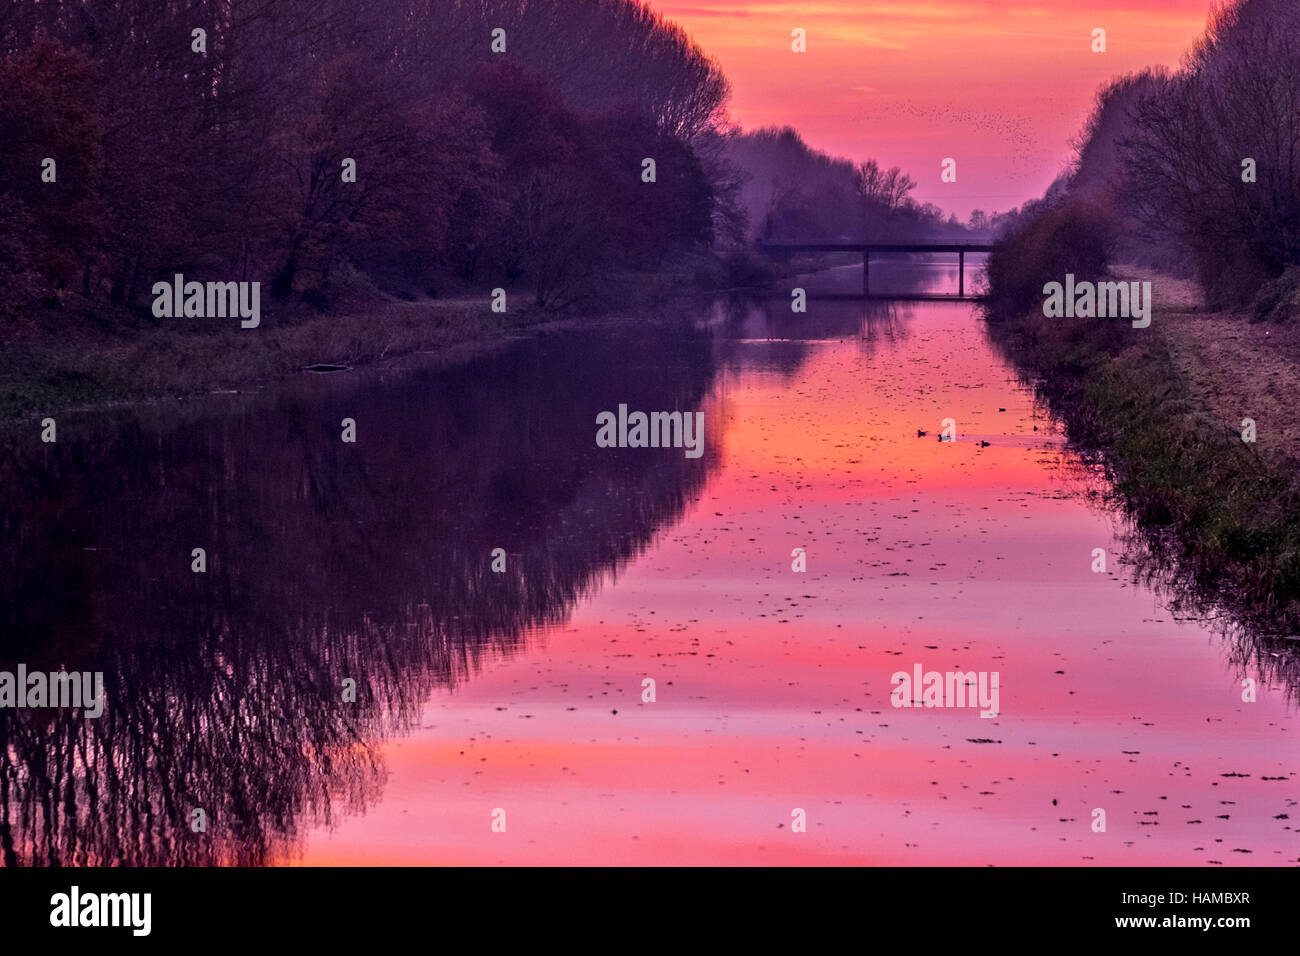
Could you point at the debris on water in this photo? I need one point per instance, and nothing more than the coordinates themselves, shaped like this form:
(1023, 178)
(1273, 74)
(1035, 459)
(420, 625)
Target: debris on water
(327, 368)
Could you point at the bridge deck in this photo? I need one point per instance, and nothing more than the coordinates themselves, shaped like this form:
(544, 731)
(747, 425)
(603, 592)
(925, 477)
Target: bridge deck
(875, 247)
(867, 248)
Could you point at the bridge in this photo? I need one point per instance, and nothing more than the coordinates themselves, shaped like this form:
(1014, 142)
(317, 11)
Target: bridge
(867, 248)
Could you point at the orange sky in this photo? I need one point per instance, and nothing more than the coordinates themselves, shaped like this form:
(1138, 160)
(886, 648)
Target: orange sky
(1000, 86)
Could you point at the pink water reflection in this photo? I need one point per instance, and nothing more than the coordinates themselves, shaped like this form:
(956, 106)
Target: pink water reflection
(773, 687)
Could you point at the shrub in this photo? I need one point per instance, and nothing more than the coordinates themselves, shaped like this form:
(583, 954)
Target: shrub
(1071, 237)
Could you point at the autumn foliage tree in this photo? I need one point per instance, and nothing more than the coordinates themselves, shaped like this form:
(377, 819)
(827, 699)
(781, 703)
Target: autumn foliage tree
(208, 137)
(51, 213)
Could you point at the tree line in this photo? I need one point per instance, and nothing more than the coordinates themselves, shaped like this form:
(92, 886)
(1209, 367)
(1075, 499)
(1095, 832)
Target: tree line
(792, 192)
(1195, 171)
(414, 148)
(210, 136)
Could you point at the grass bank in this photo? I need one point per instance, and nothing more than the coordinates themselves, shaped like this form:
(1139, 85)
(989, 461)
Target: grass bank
(80, 354)
(1162, 409)
(46, 373)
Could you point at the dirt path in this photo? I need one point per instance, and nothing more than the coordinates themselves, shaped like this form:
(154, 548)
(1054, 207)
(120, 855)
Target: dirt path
(1234, 368)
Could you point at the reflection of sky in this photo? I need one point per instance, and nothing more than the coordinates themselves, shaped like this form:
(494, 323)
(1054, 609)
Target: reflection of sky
(999, 85)
(773, 687)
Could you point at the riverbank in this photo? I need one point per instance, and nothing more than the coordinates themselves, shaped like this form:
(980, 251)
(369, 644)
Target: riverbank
(106, 356)
(43, 375)
(1162, 409)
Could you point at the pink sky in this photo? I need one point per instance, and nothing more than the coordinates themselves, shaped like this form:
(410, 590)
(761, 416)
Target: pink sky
(1000, 86)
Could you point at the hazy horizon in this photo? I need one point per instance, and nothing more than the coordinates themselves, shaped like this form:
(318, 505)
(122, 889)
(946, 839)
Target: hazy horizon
(877, 81)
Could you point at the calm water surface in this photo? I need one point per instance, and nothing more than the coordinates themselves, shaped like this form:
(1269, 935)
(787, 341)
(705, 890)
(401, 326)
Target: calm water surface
(330, 562)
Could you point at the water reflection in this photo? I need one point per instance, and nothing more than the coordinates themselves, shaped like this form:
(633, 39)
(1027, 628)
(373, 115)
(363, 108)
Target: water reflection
(1256, 640)
(1253, 645)
(326, 561)
(789, 336)
(370, 562)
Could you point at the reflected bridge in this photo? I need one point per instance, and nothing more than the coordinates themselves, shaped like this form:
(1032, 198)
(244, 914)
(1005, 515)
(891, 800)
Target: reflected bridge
(867, 248)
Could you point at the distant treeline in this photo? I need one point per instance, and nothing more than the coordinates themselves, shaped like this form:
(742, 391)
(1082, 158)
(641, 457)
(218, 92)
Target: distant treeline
(792, 193)
(1195, 171)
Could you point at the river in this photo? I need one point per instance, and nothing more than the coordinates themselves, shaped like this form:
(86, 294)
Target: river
(500, 717)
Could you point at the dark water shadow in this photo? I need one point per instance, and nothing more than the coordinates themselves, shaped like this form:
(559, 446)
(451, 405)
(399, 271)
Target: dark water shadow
(326, 562)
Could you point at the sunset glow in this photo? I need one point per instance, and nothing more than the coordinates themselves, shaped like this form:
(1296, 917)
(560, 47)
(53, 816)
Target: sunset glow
(1001, 87)
(698, 434)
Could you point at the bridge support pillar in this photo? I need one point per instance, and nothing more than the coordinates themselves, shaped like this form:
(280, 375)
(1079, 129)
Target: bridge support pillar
(961, 273)
(866, 272)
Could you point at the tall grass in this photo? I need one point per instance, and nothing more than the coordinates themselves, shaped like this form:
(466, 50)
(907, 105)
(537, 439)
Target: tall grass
(41, 376)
